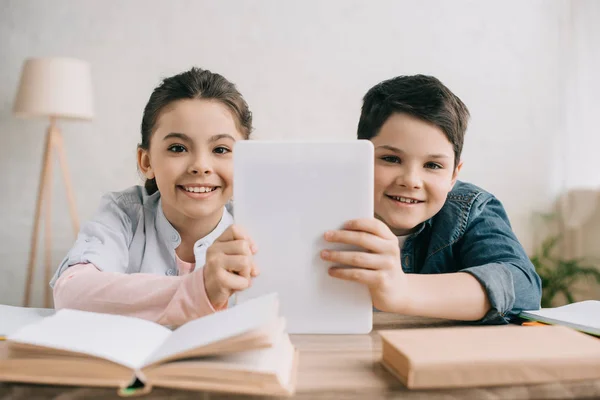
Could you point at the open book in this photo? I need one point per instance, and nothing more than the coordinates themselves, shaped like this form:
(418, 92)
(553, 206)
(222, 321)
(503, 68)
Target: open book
(583, 316)
(12, 318)
(243, 349)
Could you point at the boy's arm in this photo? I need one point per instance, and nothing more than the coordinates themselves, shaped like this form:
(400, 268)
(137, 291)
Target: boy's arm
(458, 296)
(453, 296)
(491, 253)
(497, 278)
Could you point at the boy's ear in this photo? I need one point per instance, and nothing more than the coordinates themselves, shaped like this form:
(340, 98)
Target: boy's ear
(144, 165)
(455, 174)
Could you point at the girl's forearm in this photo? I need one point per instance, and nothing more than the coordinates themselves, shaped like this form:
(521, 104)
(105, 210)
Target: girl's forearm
(162, 299)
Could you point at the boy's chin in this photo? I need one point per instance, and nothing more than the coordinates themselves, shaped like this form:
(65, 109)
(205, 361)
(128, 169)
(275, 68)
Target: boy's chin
(400, 226)
(403, 230)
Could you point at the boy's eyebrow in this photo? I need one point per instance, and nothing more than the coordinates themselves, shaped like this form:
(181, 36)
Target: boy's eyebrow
(399, 151)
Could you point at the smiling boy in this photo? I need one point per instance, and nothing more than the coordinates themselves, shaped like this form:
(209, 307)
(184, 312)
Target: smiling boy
(437, 247)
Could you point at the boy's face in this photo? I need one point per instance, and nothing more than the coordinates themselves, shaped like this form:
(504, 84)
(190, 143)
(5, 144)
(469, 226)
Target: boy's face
(414, 171)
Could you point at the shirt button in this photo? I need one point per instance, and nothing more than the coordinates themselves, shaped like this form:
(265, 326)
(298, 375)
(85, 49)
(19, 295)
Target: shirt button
(171, 272)
(175, 237)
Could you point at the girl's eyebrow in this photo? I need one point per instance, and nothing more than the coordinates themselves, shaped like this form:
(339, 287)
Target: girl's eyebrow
(214, 138)
(175, 135)
(399, 151)
(183, 136)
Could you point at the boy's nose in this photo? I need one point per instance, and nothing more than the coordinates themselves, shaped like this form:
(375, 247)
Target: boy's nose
(409, 179)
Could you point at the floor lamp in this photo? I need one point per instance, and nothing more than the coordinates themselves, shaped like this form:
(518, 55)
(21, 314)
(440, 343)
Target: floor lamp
(52, 88)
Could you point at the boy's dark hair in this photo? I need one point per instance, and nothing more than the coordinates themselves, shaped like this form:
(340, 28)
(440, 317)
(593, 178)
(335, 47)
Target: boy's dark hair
(196, 83)
(421, 96)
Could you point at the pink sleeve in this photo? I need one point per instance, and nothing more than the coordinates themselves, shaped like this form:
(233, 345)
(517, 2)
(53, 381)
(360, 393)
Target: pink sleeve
(168, 300)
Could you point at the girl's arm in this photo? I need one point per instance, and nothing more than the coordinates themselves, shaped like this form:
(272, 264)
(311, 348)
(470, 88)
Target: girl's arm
(163, 299)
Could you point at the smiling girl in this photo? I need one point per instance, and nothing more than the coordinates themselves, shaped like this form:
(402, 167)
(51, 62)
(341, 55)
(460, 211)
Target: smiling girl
(168, 251)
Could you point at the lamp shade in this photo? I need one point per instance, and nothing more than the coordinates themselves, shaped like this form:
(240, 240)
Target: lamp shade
(55, 87)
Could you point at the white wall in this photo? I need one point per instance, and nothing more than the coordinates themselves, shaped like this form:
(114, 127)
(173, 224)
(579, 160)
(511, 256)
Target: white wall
(303, 67)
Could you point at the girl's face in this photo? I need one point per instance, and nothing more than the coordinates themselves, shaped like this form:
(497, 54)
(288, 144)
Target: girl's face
(190, 156)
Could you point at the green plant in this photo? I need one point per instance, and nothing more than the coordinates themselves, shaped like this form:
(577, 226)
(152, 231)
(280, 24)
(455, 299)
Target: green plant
(558, 274)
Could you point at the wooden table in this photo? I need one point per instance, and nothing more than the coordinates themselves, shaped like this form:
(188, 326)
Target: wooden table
(337, 367)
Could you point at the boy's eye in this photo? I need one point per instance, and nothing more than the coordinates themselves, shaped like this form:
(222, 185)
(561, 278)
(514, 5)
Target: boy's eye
(176, 148)
(221, 150)
(433, 166)
(391, 159)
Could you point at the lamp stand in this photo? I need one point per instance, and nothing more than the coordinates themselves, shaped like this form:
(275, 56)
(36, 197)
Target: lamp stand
(54, 142)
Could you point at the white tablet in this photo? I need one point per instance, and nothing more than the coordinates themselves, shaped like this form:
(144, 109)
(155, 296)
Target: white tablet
(287, 195)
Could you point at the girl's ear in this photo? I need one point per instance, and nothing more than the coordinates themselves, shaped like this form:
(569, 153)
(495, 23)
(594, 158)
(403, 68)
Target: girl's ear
(144, 164)
(455, 174)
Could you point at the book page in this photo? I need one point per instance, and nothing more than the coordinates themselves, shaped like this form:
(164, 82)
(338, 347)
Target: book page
(123, 340)
(222, 325)
(13, 318)
(276, 360)
(583, 315)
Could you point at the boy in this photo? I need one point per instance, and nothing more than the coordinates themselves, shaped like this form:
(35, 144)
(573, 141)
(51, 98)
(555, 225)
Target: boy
(437, 247)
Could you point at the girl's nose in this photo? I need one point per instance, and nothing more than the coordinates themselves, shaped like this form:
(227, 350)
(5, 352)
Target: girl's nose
(200, 166)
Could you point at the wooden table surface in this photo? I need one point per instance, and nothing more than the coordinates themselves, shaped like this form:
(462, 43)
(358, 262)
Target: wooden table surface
(337, 367)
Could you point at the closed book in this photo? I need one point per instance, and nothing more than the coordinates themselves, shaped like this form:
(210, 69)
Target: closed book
(489, 356)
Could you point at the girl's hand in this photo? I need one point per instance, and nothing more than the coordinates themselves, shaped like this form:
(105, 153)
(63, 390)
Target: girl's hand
(377, 266)
(229, 266)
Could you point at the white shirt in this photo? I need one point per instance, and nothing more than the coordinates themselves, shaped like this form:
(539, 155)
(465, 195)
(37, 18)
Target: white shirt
(130, 234)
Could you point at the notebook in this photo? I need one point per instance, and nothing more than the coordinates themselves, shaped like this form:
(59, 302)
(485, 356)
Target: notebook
(287, 195)
(13, 318)
(583, 316)
(454, 357)
(243, 349)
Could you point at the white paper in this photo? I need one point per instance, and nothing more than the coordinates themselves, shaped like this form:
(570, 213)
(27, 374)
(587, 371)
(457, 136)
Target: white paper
(124, 340)
(583, 315)
(276, 359)
(13, 318)
(252, 315)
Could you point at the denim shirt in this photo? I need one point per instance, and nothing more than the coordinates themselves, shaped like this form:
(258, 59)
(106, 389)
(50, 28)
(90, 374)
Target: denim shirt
(130, 234)
(472, 233)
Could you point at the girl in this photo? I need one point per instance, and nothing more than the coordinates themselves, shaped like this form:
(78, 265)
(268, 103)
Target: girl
(138, 255)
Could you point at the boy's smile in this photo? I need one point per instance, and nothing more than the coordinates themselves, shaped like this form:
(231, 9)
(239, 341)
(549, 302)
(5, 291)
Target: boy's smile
(404, 201)
(414, 171)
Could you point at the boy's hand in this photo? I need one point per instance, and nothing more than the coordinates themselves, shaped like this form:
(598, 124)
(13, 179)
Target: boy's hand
(229, 266)
(377, 266)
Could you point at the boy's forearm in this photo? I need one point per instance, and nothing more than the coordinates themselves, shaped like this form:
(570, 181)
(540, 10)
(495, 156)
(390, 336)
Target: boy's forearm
(457, 296)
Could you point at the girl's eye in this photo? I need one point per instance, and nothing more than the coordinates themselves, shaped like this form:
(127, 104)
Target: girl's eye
(391, 159)
(433, 166)
(221, 150)
(176, 148)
